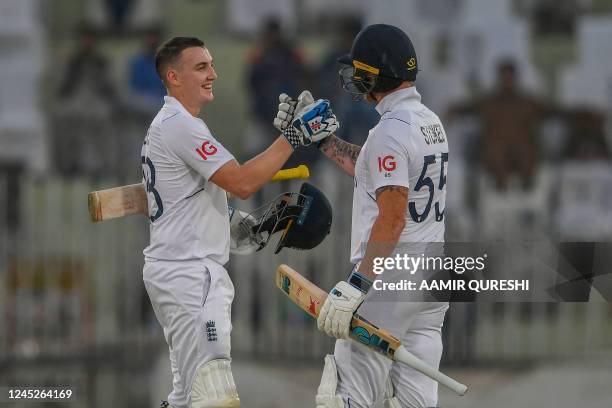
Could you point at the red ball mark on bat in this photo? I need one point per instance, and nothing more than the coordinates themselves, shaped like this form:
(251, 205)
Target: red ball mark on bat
(207, 149)
(313, 306)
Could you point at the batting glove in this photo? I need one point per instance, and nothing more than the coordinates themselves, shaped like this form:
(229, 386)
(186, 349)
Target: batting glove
(338, 309)
(289, 106)
(286, 109)
(303, 101)
(316, 122)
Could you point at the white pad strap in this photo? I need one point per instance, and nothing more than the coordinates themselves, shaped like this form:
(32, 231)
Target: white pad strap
(326, 394)
(214, 387)
(390, 401)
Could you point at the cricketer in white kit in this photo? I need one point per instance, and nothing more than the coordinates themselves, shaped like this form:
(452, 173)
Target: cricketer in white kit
(187, 174)
(399, 200)
(189, 288)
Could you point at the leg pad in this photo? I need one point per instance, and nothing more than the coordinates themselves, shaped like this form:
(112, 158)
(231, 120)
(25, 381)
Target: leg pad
(214, 387)
(326, 394)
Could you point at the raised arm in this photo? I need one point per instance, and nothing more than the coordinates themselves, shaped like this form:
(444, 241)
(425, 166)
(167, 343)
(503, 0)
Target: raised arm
(243, 180)
(344, 154)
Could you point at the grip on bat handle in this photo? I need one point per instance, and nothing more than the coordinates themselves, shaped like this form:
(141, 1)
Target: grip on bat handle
(404, 356)
(299, 172)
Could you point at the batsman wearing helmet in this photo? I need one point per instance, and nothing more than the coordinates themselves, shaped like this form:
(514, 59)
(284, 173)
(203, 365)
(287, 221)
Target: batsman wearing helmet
(399, 200)
(187, 173)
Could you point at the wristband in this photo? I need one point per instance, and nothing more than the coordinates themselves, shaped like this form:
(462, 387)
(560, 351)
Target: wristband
(359, 281)
(293, 137)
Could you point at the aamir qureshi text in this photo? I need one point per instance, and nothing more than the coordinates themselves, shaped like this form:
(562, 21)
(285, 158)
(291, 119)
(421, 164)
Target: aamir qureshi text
(475, 285)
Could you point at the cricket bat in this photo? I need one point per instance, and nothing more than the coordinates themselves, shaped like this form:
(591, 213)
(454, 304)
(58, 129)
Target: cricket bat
(132, 199)
(310, 298)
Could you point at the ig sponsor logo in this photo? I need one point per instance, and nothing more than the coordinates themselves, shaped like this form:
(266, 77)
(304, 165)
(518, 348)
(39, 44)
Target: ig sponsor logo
(387, 164)
(207, 149)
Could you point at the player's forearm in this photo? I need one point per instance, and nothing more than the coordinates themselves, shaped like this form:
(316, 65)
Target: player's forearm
(344, 154)
(384, 237)
(259, 170)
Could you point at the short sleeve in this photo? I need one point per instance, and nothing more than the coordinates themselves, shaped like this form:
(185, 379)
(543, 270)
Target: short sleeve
(199, 149)
(387, 161)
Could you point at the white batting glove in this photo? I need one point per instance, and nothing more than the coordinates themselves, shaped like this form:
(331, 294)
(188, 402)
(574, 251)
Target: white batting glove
(316, 121)
(303, 100)
(289, 106)
(286, 109)
(338, 309)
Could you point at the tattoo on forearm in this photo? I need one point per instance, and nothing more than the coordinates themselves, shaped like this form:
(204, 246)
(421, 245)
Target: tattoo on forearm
(399, 189)
(340, 151)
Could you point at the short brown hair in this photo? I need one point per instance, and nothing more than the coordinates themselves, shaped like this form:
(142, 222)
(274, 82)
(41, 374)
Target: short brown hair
(169, 51)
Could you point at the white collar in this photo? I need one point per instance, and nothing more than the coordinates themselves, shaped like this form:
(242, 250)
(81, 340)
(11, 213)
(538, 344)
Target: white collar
(403, 95)
(173, 102)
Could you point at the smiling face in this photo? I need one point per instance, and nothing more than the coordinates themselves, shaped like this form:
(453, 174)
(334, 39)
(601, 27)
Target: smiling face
(190, 79)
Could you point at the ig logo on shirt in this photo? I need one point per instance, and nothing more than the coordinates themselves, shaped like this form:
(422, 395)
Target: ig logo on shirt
(386, 164)
(207, 149)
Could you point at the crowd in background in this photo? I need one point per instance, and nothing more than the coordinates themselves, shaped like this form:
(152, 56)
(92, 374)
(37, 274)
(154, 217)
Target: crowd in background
(94, 115)
(90, 110)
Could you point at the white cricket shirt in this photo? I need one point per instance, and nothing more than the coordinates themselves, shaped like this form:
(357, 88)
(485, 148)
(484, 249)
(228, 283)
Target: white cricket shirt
(188, 214)
(408, 148)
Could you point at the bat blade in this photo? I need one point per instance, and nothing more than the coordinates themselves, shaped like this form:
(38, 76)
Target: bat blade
(132, 199)
(117, 202)
(310, 298)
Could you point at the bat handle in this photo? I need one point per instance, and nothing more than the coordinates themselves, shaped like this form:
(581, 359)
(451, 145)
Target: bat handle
(406, 357)
(299, 172)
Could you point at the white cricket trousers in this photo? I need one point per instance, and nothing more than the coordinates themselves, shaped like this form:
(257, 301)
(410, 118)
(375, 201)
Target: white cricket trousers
(192, 301)
(362, 373)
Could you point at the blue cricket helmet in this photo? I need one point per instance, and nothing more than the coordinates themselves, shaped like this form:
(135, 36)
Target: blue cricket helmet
(381, 58)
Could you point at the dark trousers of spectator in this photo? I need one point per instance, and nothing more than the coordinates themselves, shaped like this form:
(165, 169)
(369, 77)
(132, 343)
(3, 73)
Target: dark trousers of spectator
(10, 183)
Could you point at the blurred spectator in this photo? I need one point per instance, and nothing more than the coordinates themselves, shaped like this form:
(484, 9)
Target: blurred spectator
(87, 71)
(275, 66)
(146, 89)
(356, 117)
(119, 11)
(84, 137)
(509, 123)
